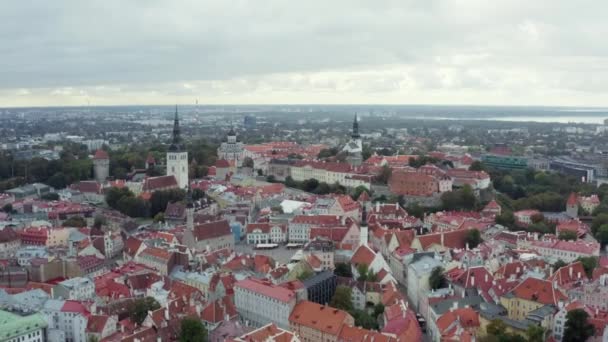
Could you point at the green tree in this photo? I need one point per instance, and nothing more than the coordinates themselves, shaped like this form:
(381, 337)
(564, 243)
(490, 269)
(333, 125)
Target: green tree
(558, 264)
(271, 179)
(160, 199)
(75, 221)
(602, 234)
(159, 217)
(506, 218)
(342, 298)
(343, 270)
(473, 238)
(577, 326)
(57, 180)
(496, 327)
(535, 333)
(192, 330)
(358, 191)
(567, 235)
(113, 195)
(364, 320)
(305, 275)
(437, 278)
(477, 166)
(197, 194)
(598, 221)
(138, 309)
(589, 264)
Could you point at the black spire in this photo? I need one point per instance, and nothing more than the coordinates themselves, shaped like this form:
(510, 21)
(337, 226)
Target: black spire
(176, 144)
(363, 216)
(355, 134)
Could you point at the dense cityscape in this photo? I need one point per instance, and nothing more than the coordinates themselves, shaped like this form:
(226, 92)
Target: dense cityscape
(303, 171)
(299, 224)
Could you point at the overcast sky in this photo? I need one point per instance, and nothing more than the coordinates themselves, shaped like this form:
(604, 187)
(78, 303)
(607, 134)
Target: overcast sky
(503, 52)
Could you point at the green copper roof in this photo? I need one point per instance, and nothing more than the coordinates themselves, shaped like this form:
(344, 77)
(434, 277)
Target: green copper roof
(12, 325)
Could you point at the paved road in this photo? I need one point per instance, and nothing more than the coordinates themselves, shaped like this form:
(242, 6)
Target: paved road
(281, 254)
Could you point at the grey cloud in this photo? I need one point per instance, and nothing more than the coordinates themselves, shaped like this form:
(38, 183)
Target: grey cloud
(240, 47)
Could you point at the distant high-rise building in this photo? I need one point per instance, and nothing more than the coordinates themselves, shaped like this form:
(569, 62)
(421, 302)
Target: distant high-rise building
(249, 122)
(354, 147)
(101, 165)
(177, 156)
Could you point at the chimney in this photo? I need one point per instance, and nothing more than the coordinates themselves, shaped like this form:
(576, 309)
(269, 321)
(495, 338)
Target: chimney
(167, 313)
(570, 270)
(455, 305)
(377, 206)
(578, 275)
(486, 277)
(473, 280)
(442, 239)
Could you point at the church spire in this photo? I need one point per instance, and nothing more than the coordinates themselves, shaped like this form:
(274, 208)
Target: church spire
(355, 134)
(176, 144)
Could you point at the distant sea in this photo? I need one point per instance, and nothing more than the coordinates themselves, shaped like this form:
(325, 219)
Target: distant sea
(542, 114)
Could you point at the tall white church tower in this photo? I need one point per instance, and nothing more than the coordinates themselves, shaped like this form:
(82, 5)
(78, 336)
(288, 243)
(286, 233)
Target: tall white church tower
(177, 157)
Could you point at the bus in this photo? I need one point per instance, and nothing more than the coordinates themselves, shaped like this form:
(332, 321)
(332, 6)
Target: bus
(294, 245)
(266, 246)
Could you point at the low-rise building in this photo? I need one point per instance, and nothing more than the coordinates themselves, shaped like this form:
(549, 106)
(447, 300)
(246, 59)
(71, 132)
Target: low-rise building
(315, 322)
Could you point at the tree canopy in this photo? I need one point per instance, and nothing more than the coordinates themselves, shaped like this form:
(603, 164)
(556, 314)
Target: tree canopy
(342, 298)
(577, 326)
(192, 330)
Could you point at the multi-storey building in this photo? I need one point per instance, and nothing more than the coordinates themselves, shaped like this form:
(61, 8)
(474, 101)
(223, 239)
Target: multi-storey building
(9, 242)
(78, 288)
(66, 319)
(315, 322)
(231, 149)
(299, 226)
(210, 236)
(260, 302)
(321, 287)
(17, 328)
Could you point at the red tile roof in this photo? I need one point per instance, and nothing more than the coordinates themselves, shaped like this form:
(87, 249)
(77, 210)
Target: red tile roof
(317, 220)
(538, 290)
(101, 154)
(363, 255)
(97, 323)
(266, 288)
(319, 317)
(211, 230)
(358, 334)
(569, 274)
(466, 318)
(159, 183)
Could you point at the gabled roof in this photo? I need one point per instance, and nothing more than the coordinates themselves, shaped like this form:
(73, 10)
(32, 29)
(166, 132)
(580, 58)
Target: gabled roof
(97, 323)
(211, 230)
(363, 255)
(160, 182)
(319, 317)
(538, 290)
